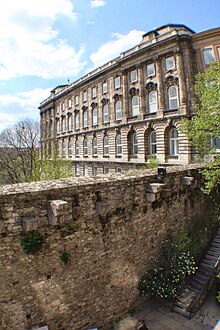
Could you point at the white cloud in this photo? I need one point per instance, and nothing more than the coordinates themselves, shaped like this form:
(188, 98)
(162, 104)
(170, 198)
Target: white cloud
(113, 48)
(21, 105)
(29, 42)
(97, 3)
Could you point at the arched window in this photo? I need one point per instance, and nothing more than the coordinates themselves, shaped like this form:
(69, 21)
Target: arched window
(118, 145)
(105, 114)
(76, 148)
(63, 124)
(70, 122)
(69, 148)
(173, 142)
(94, 146)
(105, 146)
(58, 126)
(152, 143)
(95, 117)
(118, 113)
(132, 143)
(173, 97)
(152, 102)
(77, 125)
(134, 105)
(85, 147)
(85, 119)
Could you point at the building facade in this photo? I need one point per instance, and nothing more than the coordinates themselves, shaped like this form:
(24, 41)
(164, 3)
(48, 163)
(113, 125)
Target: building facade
(130, 109)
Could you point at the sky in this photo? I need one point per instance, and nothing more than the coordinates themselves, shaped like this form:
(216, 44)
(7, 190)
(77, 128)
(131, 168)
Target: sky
(46, 43)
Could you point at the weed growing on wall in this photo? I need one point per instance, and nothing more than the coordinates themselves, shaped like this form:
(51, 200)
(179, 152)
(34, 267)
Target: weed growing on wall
(32, 242)
(65, 256)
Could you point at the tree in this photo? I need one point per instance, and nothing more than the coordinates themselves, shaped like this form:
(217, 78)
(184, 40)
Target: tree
(19, 145)
(203, 129)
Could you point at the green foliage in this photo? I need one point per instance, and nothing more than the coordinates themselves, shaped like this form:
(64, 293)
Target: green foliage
(218, 296)
(32, 242)
(65, 256)
(153, 162)
(204, 128)
(175, 265)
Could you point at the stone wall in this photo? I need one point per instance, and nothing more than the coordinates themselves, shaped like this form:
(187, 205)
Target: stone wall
(112, 226)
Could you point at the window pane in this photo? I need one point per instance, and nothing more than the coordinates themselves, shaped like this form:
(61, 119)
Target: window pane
(105, 145)
(76, 100)
(104, 87)
(85, 119)
(118, 145)
(117, 82)
(118, 113)
(105, 114)
(153, 144)
(135, 106)
(173, 97)
(133, 75)
(84, 96)
(174, 142)
(69, 103)
(152, 102)
(94, 92)
(95, 116)
(94, 146)
(208, 56)
(170, 63)
(150, 70)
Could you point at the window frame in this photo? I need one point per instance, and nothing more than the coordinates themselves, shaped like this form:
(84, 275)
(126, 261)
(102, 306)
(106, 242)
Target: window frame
(76, 148)
(85, 118)
(77, 121)
(106, 145)
(94, 92)
(118, 145)
(105, 87)
(77, 169)
(134, 144)
(85, 97)
(117, 79)
(152, 142)
(170, 67)
(104, 115)
(134, 107)
(172, 98)
(133, 76)
(76, 100)
(105, 169)
(152, 106)
(85, 170)
(95, 122)
(173, 142)
(94, 146)
(151, 65)
(85, 147)
(204, 56)
(117, 110)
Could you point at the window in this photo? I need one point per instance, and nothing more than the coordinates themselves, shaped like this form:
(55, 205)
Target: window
(170, 64)
(173, 142)
(219, 53)
(94, 170)
(85, 119)
(104, 88)
(76, 148)
(58, 109)
(70, 122)
(85, 147)
(133, 76)
(77, 169)
(84, 96)
(85, 170)
(105, 146)
(105, 170)
(94, 146)
(118, 145)
(76, 100)
(77, 121)
(135, 105)
(118, 114)
(63, 124)
(105, 114)
(94, 92)
(153, 143)
(173, 97)
(70, 103)
(150, 70)
(63, 106)
(58, 126)
(69, 148)
(95, 117)
(208, 56)
(132, 143)
(117, 82)
(118, 169)
(152, 102)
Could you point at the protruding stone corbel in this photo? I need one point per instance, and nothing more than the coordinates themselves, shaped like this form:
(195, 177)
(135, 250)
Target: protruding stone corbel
(186, 180)
(58, 210)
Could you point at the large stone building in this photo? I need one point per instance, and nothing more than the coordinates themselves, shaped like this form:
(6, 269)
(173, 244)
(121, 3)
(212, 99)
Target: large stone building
(130, 109)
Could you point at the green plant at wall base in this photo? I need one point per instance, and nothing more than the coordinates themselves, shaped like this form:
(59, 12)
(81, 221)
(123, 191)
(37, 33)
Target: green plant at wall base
(176, 264)
(32, 242)
(218, 297)
(65, 256)
(153, 162)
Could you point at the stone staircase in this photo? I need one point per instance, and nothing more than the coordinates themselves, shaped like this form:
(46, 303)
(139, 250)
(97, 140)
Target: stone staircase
(192, 297)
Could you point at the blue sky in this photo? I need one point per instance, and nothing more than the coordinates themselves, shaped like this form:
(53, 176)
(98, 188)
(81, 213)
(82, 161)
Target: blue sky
(43, 43)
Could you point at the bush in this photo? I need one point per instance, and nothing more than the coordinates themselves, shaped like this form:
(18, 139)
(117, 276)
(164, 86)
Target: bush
(65, 256)
(176, 264)
(32, 242)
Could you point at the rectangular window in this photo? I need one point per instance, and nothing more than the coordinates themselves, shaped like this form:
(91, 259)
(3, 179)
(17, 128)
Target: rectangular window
(94, 92)
(133, 76)
(170, 64)
(70, 122)
(117, 82)
(58, 109)
(118, 169)
(105, 170)
(63, 106)
(104, 87)
(208, 56)
(77, 121)
(150, 70)
(85, 170)
(94, 170)
(70, 103)
(77, 100)
(77, 169)
(84, 96)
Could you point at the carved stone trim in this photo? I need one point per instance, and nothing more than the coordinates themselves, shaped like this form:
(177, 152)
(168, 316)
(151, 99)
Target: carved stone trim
(94, 105)
(117, 97)
(171, 80)
(104, 101)
(151, 86)
(133, 91)
(84, 108)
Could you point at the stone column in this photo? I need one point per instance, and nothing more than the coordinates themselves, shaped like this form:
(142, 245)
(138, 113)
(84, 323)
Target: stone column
(125, 101)
(142, 106)
(182, 82)
(190, 78)
(160, 88)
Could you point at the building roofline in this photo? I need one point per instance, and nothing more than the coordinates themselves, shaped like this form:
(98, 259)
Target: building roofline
(166, 25)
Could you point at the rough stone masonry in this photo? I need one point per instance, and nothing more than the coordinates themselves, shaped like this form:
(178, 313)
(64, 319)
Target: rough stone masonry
(112, 228)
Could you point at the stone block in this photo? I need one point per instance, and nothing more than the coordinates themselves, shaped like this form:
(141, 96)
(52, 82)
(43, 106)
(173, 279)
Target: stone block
(29, 223)
(155, 187)
(2, 227)
(151, 197)
(57, 212)
(186, 180)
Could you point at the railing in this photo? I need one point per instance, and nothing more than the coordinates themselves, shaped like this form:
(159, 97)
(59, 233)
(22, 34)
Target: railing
(200, 298)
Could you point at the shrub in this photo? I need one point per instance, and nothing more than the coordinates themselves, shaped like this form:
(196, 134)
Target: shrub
(65, 256)
(153, 162)
(176, 264)
(32, 242)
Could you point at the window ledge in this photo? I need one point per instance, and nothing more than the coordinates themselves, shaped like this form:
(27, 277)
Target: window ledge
(118, 156)
(105, 156)
(172, 157)
(94, 156)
